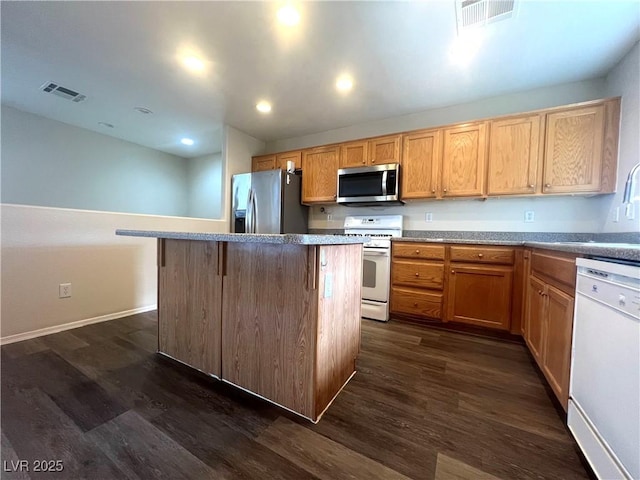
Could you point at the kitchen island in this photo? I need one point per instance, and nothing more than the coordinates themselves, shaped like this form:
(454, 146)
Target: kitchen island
(276, 315)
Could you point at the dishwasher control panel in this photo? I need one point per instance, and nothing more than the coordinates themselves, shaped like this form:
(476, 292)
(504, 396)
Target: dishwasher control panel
(613, 288)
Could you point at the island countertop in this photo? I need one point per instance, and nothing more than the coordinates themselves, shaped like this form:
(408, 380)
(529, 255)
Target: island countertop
(284, 238)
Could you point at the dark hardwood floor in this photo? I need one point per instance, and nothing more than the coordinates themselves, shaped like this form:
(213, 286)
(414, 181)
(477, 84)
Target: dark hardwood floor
(424, 404)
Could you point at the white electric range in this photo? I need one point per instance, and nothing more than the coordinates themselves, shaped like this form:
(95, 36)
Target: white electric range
(376, 269)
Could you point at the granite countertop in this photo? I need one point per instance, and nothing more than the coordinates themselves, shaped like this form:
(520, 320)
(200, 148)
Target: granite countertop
(623, 251)
(286, 238)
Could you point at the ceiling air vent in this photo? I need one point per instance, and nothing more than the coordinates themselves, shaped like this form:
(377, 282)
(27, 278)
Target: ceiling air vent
(63, 92)
(476, 13)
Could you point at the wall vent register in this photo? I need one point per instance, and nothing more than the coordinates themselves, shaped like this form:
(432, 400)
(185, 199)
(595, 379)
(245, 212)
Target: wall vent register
(476, 13)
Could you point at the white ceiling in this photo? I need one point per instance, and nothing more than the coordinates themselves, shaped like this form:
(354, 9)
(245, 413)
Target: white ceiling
(125, 54)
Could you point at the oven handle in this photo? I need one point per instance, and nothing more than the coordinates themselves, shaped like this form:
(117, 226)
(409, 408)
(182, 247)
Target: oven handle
(378, 253)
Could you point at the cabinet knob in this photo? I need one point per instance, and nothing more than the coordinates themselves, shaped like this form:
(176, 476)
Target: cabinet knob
(539, 292)
(445, 190)
(415, 304)
(453, 272)
(480, 255)
(433, 190)
(373, 161)
(547, 185)
(417, 252)
(531, 185)
(417, 274)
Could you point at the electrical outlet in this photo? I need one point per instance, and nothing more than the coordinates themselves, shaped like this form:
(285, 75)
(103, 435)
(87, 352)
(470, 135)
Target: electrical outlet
(629, 211)
(529, 216)
(428, 217)
(64, 290)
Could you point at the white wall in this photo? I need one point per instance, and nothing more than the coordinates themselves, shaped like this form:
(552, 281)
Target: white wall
(50, 163)
(624, 80)
(111, 276)
(204, 186)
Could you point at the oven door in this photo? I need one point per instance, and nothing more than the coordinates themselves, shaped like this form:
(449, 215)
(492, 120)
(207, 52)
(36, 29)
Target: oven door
(375, 274)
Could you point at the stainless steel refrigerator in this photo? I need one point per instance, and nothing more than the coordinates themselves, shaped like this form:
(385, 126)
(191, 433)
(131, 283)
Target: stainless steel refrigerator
(267, 202)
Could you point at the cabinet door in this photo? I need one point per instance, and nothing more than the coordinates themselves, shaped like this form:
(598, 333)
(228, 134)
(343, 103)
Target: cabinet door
(353, 154)
(573, 150)
(463, 160)
(556, 355)
(533, 321)
(480, 296)
(514, 156)
(263, 162)
(384, 150)
(283, 158)
(319, 182)
(189, 319)
(421, 157)
(269, 340)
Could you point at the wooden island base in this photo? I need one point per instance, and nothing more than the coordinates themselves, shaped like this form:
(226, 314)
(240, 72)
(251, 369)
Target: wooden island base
(279, 320)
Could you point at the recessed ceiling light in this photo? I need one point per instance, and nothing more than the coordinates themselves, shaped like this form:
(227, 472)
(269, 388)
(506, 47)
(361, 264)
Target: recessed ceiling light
(105, 124)
(193, 63)
(143, 110)
(289, 15)
(263, 107)
(187, 141)
(344, 83)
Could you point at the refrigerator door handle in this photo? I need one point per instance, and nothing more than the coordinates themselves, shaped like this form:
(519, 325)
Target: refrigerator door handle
(248, 220)
(254, 213)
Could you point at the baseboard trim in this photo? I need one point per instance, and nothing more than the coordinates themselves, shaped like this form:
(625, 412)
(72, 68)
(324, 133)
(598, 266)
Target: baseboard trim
(18, 337)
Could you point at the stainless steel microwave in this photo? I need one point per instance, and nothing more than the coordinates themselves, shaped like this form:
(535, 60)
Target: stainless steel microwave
(367, 186)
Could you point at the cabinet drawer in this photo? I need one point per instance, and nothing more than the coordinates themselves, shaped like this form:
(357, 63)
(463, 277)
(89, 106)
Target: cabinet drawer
(559, 271)
(418, 274)
(418, 250)
(474, 254)
(412, 302)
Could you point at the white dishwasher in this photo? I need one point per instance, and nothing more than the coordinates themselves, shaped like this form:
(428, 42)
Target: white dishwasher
(604, 390)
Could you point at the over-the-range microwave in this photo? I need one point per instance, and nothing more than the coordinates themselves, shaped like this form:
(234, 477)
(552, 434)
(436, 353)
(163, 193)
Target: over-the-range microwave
(368, 186)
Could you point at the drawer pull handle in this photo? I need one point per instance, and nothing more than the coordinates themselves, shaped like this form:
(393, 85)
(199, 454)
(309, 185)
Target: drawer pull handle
(480, 255)
(453, 272)
(417, 252)
(417, 274)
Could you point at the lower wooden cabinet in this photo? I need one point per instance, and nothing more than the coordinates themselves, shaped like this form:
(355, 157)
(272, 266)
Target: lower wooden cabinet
(548, 323)
(480, 295)
(417, 280)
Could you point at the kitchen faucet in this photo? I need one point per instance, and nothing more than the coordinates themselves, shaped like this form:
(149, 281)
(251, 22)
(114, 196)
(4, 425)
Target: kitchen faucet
(629, 187)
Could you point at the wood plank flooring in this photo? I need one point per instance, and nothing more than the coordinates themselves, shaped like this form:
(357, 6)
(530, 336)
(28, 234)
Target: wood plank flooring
(425, 404)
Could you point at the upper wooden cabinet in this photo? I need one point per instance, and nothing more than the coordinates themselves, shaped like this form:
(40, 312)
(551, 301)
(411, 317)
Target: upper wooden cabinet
(384, 150)
(273, 161)
(463, 160)
(319, 181)
(515, 155)
(563, 150)
(283, 158)
(375, 151)
(354, 154)
(421, 159)
(573, 150)
(263, 162)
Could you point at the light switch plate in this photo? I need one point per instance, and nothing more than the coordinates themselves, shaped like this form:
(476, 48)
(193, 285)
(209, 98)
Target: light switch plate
(428, 217)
